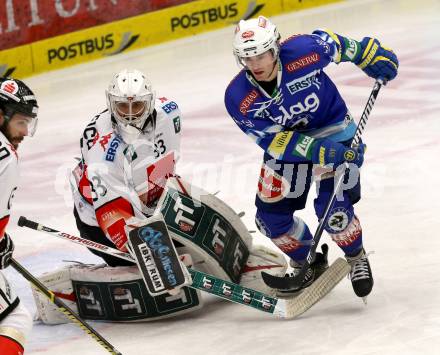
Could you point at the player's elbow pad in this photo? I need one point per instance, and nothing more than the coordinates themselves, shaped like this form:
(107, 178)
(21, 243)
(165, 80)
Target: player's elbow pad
(347, 49)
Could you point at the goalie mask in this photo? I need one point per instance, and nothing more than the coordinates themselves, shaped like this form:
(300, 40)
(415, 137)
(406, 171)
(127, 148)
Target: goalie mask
(17, 98)
(130, 100)
(254, 37)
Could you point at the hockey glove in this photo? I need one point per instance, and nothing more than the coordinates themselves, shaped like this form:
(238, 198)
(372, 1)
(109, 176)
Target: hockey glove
(327, 152)
(377, 61)
(6, 249)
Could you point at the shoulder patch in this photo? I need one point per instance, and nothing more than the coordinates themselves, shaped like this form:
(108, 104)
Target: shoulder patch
(169, 107)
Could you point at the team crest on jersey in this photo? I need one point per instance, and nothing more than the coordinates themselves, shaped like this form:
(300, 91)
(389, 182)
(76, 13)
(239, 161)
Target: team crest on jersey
(339, 219)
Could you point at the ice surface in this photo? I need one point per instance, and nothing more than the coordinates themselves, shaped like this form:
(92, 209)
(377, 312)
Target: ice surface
(398, 211)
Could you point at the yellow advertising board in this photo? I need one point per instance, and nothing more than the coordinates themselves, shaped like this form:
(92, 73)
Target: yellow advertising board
(16, 61)
(140, 31)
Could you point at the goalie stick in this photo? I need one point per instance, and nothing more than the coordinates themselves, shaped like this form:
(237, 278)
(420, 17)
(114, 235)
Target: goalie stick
(295, 282)
(284, 308)
(62, 307)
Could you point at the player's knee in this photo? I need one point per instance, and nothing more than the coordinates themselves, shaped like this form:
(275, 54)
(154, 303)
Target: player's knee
(275, 224)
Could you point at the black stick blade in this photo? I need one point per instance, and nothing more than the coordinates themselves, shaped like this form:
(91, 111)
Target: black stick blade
(292, 283)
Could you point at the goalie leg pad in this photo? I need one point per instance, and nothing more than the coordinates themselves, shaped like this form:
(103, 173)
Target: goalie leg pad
(214, 234)
(116, 294)
(262, 259)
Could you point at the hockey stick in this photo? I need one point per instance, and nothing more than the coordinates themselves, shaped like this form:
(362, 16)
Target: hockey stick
(283, 308)
(295, 282)
(62, 307)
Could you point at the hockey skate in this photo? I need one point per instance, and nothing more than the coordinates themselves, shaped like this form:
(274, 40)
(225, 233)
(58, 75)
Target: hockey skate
(360, 274)
(316, 269)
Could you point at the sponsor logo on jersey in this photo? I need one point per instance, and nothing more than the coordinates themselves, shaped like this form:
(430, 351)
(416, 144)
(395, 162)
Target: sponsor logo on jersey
(304, 82)
(351, 49)
(303, 146)
(176, 121)
(302, 62)
(278, 145)
(111, 151)
(310, 104)
(272, 187)
(170, 107)
(104, 141)
(248, 101)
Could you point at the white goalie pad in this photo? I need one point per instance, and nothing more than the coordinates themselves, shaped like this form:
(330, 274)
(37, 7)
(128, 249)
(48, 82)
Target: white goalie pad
(114, 294)
(60, 283)
(261, 259)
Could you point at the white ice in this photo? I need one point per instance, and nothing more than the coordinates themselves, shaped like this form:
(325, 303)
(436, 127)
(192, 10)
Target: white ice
(398, 211)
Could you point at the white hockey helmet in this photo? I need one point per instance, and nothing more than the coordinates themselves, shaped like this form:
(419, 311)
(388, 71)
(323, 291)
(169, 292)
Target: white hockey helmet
(255, 36)
(130, 100)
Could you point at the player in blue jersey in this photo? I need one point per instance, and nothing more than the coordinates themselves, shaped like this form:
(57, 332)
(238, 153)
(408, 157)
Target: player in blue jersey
(286, 103)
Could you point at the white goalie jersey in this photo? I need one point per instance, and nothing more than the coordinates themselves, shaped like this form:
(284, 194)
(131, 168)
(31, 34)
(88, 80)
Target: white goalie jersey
(115, 181)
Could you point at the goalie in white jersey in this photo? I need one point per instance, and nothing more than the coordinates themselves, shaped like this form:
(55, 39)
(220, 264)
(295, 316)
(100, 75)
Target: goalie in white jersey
(18, 118)
(128, 152)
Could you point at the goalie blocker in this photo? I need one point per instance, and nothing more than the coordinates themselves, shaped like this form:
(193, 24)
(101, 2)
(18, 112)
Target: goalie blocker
(157, 259)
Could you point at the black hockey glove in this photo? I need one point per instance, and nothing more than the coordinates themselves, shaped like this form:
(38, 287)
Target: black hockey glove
(6, 249)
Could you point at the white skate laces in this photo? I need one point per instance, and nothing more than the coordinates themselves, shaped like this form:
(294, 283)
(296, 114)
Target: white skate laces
(359, 266)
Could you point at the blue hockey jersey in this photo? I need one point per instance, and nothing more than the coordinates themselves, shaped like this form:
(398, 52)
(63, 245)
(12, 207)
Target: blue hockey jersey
(305, 101)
